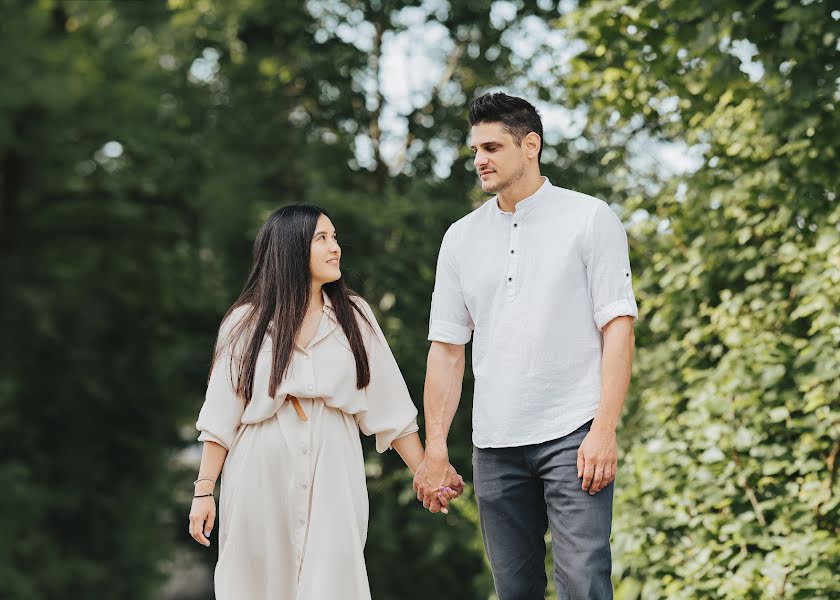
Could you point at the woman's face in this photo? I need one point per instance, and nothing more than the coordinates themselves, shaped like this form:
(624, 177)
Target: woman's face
(325, 254)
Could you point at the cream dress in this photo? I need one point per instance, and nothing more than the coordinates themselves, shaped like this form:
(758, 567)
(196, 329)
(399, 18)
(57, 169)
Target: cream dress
(293, 507)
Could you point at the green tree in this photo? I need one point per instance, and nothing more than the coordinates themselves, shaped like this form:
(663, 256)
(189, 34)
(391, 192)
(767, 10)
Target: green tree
(102, 305)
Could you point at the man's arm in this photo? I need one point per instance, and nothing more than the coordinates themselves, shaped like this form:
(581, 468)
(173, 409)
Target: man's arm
(442, 393)
(597, 459)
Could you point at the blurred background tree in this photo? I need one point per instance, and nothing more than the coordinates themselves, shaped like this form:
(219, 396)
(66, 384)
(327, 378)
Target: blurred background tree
(142, 144)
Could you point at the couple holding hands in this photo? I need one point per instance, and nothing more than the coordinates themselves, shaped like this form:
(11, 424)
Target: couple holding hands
(538, 277)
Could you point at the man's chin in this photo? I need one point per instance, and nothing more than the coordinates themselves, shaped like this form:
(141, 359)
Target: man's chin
(490, 188)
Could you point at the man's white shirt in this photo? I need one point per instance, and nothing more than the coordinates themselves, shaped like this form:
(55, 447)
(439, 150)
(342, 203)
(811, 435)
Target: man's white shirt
(533, 289)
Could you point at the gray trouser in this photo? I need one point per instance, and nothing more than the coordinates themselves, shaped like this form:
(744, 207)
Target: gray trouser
(524, 489)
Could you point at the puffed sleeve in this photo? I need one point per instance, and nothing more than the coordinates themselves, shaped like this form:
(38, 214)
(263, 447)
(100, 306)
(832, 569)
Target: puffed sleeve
(449, 320)
(608, 268)
(221, 413)
(390, 412)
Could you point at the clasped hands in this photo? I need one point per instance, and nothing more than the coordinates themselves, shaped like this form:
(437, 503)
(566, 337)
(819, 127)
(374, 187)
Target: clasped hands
(437, 483)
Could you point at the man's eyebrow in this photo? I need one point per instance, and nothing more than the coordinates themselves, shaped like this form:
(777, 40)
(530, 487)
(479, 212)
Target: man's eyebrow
(490, 143)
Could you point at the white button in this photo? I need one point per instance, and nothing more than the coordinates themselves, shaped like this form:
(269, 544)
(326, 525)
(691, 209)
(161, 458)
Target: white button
(309, 387)
(305, 357)
(305, 450)
(301, 522)
(304, 485)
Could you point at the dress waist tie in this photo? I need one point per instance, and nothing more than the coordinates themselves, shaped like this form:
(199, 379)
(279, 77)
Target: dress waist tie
(298, 408)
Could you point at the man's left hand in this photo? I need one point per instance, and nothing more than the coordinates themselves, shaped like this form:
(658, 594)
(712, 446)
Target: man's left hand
(597, 459)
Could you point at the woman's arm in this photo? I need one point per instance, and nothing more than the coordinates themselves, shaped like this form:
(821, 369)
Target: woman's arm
(410, 449)
(203, 511)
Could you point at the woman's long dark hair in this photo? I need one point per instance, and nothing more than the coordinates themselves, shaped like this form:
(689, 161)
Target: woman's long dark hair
(278, 293)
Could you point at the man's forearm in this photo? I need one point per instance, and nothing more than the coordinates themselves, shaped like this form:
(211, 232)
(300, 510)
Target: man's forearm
(616, 365)
(442, 393)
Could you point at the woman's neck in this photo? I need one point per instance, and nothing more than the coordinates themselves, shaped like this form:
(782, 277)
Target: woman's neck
(316, 299)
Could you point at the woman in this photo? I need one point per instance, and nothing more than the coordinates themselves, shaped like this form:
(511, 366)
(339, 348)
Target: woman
(300, 367)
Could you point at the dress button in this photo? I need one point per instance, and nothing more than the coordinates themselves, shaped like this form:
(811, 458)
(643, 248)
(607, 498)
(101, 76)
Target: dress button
(301, 522)
(510, 278)
(305, 357)
(309, 387)
(305, 451)
(516, 225)
(304, 485)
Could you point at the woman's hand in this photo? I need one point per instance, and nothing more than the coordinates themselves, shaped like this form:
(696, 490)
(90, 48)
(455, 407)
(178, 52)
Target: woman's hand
(456, 483)
(202, 518)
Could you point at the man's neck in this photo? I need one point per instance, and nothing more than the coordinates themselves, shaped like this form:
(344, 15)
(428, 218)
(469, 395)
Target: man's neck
(525, 187)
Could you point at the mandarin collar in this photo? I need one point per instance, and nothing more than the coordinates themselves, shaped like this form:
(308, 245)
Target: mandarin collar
(527, 203)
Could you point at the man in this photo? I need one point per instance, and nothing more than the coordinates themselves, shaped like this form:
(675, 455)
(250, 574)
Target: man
(540, 276)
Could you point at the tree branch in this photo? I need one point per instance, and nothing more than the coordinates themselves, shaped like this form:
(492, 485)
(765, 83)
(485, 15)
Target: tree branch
(446, 77)
(374, 62)
(742, 481)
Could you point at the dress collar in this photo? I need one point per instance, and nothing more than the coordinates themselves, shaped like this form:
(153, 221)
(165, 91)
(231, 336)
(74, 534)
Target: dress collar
(326, 325)
(329, 310)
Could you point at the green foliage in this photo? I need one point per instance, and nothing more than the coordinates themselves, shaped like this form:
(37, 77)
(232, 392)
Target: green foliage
(98, 316)
(728, 487)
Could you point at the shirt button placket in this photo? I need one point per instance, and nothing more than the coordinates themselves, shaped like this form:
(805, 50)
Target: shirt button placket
(303, 471)
(513, 258)
(300, 494)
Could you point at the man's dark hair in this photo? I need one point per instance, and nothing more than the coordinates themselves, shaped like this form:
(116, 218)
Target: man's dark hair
(517, 116)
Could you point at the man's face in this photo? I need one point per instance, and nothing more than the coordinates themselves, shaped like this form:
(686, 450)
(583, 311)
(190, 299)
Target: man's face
(499, 160)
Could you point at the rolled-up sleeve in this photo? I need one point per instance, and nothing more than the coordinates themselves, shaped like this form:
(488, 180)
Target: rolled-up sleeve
(449, 320)
(221, 414)
(390, 412)
(608, 274)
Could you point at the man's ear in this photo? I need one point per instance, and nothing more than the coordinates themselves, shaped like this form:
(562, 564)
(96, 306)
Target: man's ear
(532, 144)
